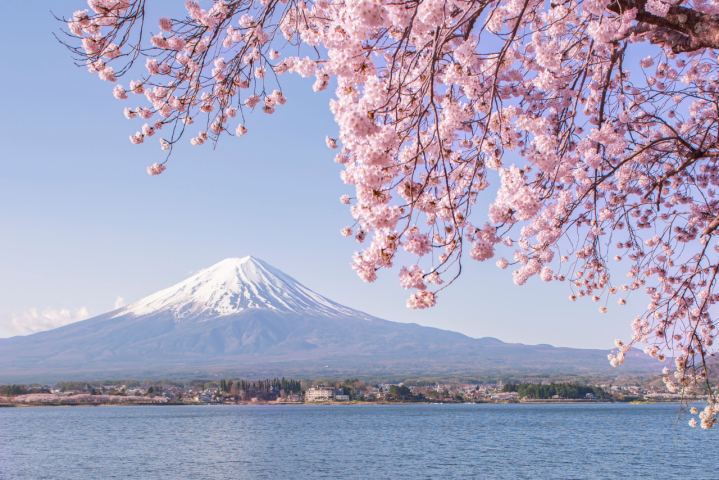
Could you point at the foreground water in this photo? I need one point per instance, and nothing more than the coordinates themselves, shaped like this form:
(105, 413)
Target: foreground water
(393, 441)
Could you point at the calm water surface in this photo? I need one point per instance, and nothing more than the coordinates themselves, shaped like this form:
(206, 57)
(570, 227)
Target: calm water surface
(403, 441)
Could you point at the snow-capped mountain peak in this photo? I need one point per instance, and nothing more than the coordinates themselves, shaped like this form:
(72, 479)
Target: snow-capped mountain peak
(234, 285)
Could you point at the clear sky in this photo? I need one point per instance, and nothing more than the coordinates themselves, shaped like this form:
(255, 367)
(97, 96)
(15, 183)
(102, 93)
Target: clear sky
(84, 228)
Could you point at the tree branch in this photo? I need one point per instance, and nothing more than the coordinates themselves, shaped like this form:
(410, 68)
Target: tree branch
(712, 226)
(682, 29)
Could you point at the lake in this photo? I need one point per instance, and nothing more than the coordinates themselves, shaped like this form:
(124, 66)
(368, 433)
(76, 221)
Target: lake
(487, 441)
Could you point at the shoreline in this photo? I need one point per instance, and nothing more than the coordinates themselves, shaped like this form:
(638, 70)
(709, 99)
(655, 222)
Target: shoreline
(256, 404)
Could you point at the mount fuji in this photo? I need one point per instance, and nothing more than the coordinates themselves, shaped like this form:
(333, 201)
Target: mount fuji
(237, 285)
(244, 317)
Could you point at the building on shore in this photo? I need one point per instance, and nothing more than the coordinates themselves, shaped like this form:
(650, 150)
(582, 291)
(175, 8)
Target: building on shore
(320, 393)
(505, 396)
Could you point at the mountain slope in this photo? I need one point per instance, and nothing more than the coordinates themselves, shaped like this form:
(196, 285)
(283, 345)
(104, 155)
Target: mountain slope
(235, 285)
(244, 317)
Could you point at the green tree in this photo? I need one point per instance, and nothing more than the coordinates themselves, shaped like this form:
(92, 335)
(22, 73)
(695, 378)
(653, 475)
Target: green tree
(400, 392)
(564, 390)
(9, 390)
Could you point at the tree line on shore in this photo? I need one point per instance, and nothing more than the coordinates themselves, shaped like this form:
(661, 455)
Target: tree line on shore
(268, 389)
(563, 390)
(238, 389)
(11, 390)
(264, 388)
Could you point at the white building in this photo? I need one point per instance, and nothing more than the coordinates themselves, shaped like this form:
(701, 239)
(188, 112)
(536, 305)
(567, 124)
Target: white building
(505, 396)
(320, 393)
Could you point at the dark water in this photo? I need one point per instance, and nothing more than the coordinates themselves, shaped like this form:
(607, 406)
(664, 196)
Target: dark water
(403, 441)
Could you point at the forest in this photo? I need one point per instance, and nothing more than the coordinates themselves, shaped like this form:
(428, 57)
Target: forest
(564, 390)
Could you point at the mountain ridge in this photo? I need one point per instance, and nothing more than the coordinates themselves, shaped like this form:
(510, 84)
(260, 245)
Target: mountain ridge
(243, 316)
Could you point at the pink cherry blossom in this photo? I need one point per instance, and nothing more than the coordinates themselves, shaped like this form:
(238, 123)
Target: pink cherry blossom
(418, 243)
(412, 278)
(155, 169)
(422, 299)
(119, 92)
(165, 25)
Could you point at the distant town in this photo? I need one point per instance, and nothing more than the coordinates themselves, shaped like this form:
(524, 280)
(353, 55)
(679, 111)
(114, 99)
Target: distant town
(287, 391)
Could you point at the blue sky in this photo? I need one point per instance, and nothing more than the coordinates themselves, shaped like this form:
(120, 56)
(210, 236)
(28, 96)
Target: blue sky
(83, 224)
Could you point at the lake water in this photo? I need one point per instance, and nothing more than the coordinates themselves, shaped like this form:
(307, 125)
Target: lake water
(395, 441)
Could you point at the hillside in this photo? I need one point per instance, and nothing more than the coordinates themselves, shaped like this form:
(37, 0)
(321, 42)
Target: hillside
(245, 317)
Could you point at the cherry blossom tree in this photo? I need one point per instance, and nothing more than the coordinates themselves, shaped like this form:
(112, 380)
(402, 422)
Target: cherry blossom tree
(83, 398)
(594, 120)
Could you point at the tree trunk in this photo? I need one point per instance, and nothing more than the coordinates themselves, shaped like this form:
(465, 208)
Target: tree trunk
(682, 29)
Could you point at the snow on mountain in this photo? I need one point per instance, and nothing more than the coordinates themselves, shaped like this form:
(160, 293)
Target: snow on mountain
(244, 317)
(234, 285)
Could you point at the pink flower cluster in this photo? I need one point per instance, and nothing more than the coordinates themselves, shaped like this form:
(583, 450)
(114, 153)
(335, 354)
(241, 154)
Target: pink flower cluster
(52, 399)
